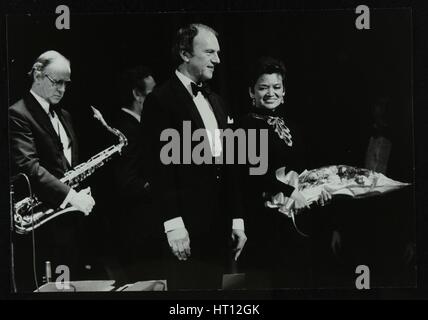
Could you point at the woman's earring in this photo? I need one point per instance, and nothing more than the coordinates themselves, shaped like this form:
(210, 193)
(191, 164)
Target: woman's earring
(253, 101)
(282, 100)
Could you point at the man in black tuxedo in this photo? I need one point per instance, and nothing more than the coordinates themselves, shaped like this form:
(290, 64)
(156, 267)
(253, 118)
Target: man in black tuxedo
(43, 146)
(198, 204)
(135, 254)
(136, 83)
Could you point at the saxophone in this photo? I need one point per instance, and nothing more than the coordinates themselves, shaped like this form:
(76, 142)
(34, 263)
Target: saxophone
(30, 213)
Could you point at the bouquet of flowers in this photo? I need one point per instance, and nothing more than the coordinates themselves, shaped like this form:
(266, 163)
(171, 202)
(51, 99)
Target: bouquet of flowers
(335, 179)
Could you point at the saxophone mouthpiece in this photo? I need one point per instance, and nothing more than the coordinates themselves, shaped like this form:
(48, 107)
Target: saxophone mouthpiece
(98, 115)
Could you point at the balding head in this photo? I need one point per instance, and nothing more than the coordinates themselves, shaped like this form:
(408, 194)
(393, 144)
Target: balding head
(50, 73)
(50, 57)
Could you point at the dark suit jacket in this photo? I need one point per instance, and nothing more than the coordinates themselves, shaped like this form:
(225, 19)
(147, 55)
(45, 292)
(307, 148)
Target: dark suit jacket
(205, 195)
(129, 170)
(131, 183)
(36, 149)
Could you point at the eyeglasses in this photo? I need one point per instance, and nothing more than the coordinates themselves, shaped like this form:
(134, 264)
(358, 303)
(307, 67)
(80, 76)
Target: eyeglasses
(58, 83)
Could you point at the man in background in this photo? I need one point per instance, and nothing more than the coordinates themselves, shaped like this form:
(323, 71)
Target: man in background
(135, 255)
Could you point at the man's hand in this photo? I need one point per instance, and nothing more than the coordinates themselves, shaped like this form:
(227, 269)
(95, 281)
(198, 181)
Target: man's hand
(325, 197)
(299, 200)
(179, 242)
(83, 201)
(239, 238)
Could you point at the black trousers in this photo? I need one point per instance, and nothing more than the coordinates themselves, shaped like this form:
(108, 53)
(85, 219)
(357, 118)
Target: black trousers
(276, 255)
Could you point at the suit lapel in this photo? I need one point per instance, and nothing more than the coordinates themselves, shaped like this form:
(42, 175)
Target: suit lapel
(185, 98)
(218, 111)
(43, 120)
(66, 125)
(41, 117)
(70, 133)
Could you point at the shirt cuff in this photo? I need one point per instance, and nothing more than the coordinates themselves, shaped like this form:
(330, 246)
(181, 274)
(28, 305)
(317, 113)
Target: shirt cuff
(70, 195)
(173, 224)
(238, 224)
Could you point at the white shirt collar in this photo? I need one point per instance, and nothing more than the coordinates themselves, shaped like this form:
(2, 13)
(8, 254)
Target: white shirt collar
(186, 81)
(132, 113)
(42, 101)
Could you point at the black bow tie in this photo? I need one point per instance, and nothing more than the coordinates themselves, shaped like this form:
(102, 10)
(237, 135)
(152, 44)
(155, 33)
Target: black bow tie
(203, 88)
(52, 108)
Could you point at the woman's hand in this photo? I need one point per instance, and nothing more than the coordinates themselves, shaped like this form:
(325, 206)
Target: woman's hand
(325, 197)
(299, 200)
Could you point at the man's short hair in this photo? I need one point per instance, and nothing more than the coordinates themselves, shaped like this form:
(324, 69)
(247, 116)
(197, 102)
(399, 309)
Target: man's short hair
(45, 59)
(130, 79)
(184, 40)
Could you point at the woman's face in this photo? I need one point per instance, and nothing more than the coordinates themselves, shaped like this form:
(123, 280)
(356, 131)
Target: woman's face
(268, 91)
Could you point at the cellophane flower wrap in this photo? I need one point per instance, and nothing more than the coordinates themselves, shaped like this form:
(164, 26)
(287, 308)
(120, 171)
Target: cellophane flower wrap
(335, 179)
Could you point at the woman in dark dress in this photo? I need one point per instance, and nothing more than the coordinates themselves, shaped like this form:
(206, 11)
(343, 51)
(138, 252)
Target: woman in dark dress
(276, 254)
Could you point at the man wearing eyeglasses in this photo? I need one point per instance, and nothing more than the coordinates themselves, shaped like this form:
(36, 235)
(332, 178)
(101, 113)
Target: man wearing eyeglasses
(43, 146)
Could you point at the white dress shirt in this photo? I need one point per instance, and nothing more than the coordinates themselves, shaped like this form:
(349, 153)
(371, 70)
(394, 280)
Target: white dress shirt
(57, 125)
(60, 131)
(207, 115)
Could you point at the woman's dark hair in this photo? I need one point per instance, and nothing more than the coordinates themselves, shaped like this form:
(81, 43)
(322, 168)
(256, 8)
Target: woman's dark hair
(130, 79)
(184, 40)
(266, 65)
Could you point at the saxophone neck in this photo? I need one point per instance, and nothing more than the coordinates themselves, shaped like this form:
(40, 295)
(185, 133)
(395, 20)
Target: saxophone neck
(97, 115)
(122, 139)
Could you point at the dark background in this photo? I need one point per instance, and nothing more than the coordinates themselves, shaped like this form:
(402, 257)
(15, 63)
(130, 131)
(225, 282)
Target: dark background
(334, 70)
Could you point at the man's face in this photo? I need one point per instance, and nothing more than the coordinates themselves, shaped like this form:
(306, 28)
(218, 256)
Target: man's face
(149, 83)
(204, 56)
(52, 81)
